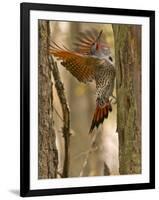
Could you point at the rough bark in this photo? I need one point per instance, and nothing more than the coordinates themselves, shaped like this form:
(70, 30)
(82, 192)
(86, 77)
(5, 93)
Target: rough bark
(47, 151)
(128, 88)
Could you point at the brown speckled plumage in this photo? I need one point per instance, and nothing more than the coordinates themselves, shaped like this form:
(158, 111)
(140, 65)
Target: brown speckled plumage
(91, 60)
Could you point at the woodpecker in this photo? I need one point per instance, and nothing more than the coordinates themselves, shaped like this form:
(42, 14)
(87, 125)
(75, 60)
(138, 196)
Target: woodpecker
(90, 60)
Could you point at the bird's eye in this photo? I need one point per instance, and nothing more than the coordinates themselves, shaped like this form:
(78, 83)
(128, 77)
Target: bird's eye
(110, 58)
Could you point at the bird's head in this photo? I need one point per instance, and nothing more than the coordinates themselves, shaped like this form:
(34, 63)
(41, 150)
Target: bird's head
(100, 49)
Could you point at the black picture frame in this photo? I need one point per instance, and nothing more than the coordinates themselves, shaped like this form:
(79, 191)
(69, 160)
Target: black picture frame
(25, 9)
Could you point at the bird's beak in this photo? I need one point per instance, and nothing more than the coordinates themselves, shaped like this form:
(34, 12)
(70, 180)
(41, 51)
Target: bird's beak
(99, 36)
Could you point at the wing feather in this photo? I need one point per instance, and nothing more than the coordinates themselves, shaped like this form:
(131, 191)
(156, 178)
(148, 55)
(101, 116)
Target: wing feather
(80, 66)
(85, 40)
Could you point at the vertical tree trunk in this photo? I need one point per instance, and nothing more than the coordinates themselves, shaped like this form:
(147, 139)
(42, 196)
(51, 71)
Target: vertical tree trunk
(47, 151)
(128, 78)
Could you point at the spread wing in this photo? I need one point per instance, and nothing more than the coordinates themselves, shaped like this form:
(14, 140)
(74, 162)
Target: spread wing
(85, 40)
(80, 66)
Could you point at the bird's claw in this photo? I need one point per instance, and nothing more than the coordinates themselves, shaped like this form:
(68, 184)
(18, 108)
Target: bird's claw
(113, 98)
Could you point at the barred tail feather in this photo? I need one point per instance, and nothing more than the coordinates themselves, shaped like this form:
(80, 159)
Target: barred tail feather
(100, 114)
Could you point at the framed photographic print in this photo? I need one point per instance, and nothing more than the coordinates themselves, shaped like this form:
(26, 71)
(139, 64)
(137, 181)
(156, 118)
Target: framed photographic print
(87, 99)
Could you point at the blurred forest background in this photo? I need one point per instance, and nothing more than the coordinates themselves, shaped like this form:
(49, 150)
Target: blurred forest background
(84, 158)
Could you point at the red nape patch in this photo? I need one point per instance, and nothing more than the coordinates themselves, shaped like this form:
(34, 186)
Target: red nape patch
(99, 115)
(97, 46)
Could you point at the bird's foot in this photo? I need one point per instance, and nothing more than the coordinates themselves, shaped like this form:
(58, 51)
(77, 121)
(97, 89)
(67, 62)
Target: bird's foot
(113, 100)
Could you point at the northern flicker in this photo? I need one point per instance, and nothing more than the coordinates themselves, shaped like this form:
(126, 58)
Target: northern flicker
(91, 59)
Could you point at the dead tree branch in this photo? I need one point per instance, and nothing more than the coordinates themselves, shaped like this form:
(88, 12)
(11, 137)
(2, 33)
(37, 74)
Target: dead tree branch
(65, 111)
(57, 113)
(92, 148)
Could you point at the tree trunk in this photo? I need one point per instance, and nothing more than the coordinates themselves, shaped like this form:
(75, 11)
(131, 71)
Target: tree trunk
(128, 88)
(47, 151)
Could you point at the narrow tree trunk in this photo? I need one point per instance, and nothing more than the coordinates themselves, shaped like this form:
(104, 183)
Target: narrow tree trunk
(128, 78)
(47, 151)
